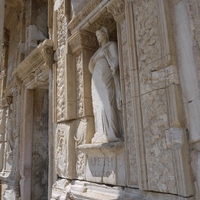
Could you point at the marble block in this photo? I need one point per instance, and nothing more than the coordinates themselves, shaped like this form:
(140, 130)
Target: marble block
(105, 162)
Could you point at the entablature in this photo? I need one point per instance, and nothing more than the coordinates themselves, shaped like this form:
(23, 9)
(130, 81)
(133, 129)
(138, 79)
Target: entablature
(34, 70)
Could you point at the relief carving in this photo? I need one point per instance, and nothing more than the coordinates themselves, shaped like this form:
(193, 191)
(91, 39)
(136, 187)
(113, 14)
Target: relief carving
(60, 91)
(61, 157)
(62, 32)
(79, 86)
(82, 136)
(160, 169)
(146, 26)
(106, 92)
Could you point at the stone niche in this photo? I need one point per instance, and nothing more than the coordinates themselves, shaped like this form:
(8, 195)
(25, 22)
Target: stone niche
(104, 161)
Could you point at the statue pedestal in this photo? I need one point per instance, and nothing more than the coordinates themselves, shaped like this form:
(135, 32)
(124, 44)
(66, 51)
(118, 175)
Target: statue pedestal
(105, 162)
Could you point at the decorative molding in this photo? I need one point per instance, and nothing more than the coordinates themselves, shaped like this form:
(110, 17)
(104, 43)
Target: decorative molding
(33, 71)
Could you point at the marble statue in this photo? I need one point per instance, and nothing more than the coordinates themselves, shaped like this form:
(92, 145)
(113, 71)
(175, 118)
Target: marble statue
(106, 95)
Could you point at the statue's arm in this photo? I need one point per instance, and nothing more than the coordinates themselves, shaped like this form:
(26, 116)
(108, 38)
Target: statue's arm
(113, 57)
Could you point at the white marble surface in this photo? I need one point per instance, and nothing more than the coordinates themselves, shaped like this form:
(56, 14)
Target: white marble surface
(106, 95)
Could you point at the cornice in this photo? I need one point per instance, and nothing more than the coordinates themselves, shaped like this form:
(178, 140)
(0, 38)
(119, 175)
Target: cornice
(34, 68)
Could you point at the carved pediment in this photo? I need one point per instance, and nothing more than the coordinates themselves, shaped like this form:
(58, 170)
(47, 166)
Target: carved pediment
(33, 71)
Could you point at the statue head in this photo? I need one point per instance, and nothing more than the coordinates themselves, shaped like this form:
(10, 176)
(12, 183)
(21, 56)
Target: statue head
(102, 35)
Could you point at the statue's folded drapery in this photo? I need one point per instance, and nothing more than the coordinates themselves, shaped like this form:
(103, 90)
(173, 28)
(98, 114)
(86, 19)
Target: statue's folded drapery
(106, 95)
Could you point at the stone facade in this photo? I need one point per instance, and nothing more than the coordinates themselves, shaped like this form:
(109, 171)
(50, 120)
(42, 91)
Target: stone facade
(50, 147)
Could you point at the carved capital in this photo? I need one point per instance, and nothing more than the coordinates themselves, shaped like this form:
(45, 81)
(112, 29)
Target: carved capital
(83, 39)
(116, 7)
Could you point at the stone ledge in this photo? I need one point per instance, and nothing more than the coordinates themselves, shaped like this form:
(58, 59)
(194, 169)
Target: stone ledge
(64, 189)
(103, 148)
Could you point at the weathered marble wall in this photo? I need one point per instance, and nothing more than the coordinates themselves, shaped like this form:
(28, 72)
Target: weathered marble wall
(187, 39)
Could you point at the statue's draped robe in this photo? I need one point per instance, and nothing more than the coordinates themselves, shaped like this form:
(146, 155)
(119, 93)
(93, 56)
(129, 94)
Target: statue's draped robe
(106, 97)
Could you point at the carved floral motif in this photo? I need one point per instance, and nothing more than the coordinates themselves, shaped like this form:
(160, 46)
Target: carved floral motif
(61, 153)
(79, 85)
(160, 169)
(146, 26)
(62, 33)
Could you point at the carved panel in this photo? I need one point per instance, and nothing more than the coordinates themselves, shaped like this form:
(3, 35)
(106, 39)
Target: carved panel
(62, 32)
(160, 169)
(60, 105)
(147, 35)
(153, 45)
(64, 150)
(79, 85)
(160, 132)
(83, 134)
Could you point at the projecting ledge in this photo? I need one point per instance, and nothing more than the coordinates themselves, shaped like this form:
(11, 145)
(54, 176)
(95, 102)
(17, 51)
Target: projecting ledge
(109, 147)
